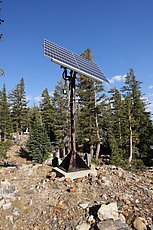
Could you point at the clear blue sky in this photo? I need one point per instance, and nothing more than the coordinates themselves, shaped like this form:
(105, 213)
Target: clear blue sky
(119, 33)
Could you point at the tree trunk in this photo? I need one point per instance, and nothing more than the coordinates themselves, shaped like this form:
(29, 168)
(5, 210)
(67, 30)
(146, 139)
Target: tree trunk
(64, 152)
(131, 152)
(98, 136)
(91, 150)
(120, 133)
(97, 150)
(4, 137)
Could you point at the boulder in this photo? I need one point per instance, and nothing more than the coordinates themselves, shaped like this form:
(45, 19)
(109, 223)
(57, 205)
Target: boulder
(139, 224)
(122, 218)
(84, 205)
(48, 161)
(83, 226)
(150, 227)
(109, 211)
(112, 225)
(7, 190)
(91, 219)
(6, 206)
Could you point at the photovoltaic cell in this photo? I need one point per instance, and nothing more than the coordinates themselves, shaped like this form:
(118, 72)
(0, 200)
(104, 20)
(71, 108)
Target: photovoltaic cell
(73, 61)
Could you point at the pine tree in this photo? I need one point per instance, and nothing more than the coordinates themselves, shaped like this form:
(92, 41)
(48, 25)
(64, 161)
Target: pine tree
(90, 94)
(38, 143)
(5, 117)
(135, 112)
(47, 113)
(61, 105)
(116, 139)
(18, 103)
(146, 140)
(100, 102)
(105, 126)
(130, 129)
(86, 118)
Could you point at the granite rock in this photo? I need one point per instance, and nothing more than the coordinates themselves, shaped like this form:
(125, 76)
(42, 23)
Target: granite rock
(109, 211)
(113, 225)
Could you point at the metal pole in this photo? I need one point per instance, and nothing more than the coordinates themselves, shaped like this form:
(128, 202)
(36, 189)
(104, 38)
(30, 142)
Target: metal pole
(72, 161)
(72, 111)
(73, 129)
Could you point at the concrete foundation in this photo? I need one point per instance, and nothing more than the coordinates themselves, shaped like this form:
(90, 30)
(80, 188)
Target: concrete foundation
(74, 175)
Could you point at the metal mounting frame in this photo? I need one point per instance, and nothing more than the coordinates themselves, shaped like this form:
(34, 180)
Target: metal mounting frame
(72, 162)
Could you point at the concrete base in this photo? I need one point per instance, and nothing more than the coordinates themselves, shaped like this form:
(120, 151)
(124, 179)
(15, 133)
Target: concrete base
(74, 175)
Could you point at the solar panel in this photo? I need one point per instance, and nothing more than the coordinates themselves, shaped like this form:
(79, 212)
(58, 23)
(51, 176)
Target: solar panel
(73, 61)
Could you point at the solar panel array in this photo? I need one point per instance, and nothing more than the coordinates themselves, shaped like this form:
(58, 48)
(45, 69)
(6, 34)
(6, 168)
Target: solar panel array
(73, 61)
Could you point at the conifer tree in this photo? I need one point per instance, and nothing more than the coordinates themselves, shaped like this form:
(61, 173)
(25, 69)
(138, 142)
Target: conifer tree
(5, 117)
(105, 125)
(47, 113)
(146, 140)
(86, 117)
(130, 128)
(116, 139)
(38, 143)
(135, 112)
(18, 104)
(61, 122)
(90, 94)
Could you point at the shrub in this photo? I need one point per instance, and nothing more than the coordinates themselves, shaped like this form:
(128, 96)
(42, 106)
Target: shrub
(118, 160)
(4, 147)
(38, 143)
(136, 165)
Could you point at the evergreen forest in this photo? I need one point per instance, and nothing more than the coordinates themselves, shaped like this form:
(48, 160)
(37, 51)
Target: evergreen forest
(116, 124)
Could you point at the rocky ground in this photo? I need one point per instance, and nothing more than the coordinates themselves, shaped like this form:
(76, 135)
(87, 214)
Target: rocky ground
(31, 197)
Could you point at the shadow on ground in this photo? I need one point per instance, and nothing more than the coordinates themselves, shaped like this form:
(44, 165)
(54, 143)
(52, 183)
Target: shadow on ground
(7, 164)
(24, 154)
